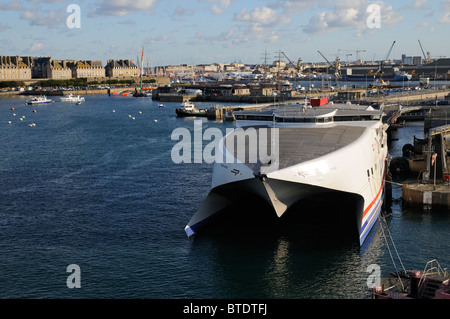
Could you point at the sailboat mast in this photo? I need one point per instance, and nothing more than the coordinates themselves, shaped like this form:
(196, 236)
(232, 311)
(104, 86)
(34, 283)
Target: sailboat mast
(142, 65)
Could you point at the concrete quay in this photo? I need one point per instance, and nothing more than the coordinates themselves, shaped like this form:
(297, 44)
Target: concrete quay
(426, 196)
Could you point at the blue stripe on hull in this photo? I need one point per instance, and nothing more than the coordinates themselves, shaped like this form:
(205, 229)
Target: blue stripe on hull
(372, 218)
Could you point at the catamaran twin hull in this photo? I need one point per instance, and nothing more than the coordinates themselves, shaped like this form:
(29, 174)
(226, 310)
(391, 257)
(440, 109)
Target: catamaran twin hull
(347, 162)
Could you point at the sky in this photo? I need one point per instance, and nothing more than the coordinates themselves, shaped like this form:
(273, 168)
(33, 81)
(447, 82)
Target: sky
(174, 32)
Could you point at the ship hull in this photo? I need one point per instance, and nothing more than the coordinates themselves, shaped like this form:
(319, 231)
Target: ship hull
(357, 78)
(184, 113)
(345, 163)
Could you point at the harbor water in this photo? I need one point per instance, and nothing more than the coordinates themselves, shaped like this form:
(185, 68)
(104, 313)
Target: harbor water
(94, 185)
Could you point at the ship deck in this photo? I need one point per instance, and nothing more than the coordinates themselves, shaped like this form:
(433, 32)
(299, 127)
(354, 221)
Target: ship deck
(295, 145)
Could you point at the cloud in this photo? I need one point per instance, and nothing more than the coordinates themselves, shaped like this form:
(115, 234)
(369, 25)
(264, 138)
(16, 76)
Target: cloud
(260, 23)
(417, 5)
(263, 16)
(47, 18)
(122, 7)
(351, 15)
(445, 19)
(219, 8)
(12, 5)
(4, 27)
(36, 47)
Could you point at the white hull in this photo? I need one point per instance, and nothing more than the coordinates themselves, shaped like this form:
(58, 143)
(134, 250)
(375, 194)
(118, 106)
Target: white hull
(72, 98)
(38, 100)
(354, 169)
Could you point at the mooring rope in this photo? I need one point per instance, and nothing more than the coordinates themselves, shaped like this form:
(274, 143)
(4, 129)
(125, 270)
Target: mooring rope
(390, 253)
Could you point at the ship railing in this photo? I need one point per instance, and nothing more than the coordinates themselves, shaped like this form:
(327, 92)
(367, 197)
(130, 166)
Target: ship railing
(432, 267)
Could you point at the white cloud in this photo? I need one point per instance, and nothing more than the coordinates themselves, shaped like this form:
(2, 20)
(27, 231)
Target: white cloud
(445, 19)
(36, 47)
(122, 7)
(351, 15)
(445, 5)
(47, 18)
(216, 10)
(12, 5)
(263, 16)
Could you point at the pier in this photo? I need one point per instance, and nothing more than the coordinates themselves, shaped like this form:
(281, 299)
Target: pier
(430, 159)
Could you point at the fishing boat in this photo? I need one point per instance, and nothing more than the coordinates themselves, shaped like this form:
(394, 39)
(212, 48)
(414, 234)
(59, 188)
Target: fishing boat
(38, 100)
(72, 98)
(333, 155)
(188, 109)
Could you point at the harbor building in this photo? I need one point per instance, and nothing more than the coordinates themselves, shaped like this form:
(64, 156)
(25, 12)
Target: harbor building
(58, 70)
(121, 69)
(15, 68)
(87, 69)
(40, 67)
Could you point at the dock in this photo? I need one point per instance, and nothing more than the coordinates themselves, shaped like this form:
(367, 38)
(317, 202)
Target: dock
(433, 190)
(426, 196)
(221, 112)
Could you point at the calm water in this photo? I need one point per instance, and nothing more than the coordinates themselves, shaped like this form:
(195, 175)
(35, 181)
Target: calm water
(93, 187)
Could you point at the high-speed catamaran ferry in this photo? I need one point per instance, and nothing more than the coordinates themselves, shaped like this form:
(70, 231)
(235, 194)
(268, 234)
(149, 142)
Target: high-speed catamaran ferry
(334, 154)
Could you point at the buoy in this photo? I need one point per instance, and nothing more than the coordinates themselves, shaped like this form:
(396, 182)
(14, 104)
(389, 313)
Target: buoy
(114, 111)
(140, 112)
(9, 122)
(133, 118)
(34, 111)
(129, 115)
(14, 114)
(21, 119)
(12, 109)
(155, 121)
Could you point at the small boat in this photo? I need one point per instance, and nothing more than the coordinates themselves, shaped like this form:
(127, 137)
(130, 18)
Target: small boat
(188, 109)
(72, 98)
(431, 283)
(38, 100)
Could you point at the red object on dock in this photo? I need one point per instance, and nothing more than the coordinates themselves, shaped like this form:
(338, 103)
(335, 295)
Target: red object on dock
(319, 101)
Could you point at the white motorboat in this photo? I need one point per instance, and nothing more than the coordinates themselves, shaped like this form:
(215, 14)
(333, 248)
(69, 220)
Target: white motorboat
(333, 155)
(72, 98)
(42, 99)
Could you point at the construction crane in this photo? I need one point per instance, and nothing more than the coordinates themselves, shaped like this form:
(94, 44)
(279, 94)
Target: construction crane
(335, 67)
(380, 68)
(357, 53)
(287, 58)
(426, 57)
(389, 52)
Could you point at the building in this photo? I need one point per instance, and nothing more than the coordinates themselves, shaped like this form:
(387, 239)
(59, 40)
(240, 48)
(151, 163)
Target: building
(58, 69)
(15, 68)
(122, 69)
(40, 67)
(87, 69)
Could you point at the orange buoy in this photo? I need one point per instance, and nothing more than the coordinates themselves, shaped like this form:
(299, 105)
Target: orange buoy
(12, 109)
(34, 111)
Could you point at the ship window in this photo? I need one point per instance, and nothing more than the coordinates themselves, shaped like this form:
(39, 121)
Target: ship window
(368, 173)
(371, 170)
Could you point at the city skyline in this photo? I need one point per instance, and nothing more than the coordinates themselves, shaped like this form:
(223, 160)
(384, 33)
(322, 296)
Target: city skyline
(211, 31)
